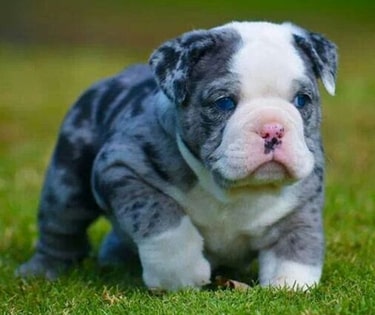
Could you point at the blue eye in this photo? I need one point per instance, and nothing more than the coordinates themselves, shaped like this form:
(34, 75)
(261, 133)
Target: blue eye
(301, 100)
(225, 103)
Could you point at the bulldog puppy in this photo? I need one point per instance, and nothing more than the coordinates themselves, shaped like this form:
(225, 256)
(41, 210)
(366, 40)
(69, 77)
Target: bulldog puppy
(209, 156)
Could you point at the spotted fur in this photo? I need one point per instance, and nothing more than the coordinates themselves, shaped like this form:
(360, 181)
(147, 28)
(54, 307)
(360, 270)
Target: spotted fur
(189, 186)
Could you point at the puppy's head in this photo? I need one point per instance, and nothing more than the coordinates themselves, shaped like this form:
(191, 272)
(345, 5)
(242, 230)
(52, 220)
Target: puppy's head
(246, 99)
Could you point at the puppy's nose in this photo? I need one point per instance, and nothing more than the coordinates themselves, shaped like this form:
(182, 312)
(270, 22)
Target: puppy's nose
(272, 134)
(272, 131)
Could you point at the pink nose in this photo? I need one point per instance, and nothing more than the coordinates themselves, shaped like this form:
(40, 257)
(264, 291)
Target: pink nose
(272, 131)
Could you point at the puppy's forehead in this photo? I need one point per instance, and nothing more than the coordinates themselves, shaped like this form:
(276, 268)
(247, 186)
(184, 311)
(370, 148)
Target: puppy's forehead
(267, 63)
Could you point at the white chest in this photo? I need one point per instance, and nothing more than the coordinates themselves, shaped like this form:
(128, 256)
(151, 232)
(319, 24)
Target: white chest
(231, 225)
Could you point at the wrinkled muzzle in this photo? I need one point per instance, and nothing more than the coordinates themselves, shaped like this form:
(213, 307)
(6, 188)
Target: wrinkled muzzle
(263, 143)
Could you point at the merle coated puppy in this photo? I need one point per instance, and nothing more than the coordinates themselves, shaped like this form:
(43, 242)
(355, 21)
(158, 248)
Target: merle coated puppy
(206, 157)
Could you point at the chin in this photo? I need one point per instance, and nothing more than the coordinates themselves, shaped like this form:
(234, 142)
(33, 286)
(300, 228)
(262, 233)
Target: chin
(270, 175)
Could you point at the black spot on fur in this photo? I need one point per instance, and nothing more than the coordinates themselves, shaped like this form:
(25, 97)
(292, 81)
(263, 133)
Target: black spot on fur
(306, 46)
(115, 88)
(155, 216)
(50, 198)
(109, 190)
(320, 51)
(152, 157)
(145, 234)
(151, 225)
(169, 56)
(326, 51)
(84, 107)
(319, 172)
(136, 110)
(293, 240)
(136, 227)
(135, 216)
(174, 61)
(76, 156)
(139, 137)
(134, 97)
(104, 156)
(70, 180)
(319, 189)
(137, 205)
(77, 160)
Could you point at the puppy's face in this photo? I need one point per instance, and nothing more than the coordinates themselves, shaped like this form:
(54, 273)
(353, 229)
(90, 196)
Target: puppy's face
(247, 100)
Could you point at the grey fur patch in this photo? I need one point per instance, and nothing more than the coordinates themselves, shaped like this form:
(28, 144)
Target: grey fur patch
(173, 62)
(322, 53)
(200, 122)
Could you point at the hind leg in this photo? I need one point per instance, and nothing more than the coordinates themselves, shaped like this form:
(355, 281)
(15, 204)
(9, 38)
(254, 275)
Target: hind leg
(66, 209)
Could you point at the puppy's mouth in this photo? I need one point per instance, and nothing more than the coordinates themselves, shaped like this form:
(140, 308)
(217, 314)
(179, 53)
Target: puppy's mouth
(271, 174)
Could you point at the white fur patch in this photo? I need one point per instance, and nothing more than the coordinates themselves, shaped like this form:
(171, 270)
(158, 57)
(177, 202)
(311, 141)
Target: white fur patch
(268, 67)
(174, 259)
(231, 222)
(277, 272)
(267, 63)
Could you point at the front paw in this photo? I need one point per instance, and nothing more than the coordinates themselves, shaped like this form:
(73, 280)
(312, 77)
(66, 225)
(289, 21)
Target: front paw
(184, 272)
(44, 266)
(281, 273)
(294, 276)
(173, 260)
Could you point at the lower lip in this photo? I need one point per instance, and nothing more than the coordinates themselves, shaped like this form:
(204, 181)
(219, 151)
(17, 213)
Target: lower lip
(270, 172)
(269, 175)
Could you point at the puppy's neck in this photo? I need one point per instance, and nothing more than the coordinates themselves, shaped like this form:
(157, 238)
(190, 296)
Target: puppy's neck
(204, 176)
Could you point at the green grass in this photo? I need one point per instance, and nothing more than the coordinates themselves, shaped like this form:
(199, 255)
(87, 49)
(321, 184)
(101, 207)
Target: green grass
(38, 84)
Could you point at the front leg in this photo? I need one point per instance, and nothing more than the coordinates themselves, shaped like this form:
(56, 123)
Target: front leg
(173, 259)
(169, 246)
(295, 261)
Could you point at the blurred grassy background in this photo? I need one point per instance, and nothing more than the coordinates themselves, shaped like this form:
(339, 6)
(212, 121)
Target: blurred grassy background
(51, 50)
(143, 24)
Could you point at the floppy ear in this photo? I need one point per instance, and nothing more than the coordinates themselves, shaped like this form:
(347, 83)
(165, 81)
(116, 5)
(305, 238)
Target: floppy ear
(173, 61)
(322, 53)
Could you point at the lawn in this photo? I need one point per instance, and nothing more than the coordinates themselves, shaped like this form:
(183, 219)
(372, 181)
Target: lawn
(37, 85)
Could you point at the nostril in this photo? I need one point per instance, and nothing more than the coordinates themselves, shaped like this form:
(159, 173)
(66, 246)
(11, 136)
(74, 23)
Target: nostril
(272, 131)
